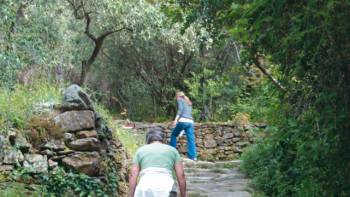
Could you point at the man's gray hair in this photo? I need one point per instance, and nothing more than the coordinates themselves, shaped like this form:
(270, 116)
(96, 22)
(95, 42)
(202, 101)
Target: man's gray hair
(154, 135)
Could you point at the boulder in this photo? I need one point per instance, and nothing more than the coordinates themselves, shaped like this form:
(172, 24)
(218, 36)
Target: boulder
(72, 121)
(12, 156)
(85, 144)
(54, 145)
(84, 162)
(74, 98)
(35, 163)
(86, 134)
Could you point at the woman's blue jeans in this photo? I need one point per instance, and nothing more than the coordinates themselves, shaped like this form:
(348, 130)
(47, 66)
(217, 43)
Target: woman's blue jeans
(191, 141)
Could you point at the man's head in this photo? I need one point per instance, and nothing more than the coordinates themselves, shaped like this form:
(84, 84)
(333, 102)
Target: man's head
(154, 135)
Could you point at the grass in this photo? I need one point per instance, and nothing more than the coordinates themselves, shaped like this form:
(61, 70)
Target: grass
(131, 140)
(17, 105)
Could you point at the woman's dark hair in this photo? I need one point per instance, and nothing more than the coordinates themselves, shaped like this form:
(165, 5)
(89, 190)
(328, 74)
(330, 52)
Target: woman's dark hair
(154, 135)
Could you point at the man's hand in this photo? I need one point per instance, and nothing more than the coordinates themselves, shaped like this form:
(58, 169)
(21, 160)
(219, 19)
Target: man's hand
(180, 174)
(134, 173)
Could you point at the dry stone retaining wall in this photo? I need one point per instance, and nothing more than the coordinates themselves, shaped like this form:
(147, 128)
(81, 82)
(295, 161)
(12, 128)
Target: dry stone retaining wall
(85, 145)
(215, 141)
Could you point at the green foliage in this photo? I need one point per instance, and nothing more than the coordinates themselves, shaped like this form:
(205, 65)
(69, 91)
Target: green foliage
(305, 44)
(32, 34)
(18, 105)
(12, 190)
(301, 155)
(60, 183)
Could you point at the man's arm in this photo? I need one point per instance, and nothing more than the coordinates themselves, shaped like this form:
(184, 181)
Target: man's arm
(180, 174)
(134, 173)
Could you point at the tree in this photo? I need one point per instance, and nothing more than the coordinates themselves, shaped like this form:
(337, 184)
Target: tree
(82, 11)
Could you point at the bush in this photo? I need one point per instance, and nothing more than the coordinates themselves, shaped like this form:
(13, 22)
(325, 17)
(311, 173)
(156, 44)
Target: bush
(61, 183)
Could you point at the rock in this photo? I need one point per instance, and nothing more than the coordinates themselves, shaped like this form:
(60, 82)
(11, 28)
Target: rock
(68, 137)
(35, 163)
(2, 141)
(12, 156)
(220, 142)
(182, 149)
(48, 152)
(54, 145)
(84, 162)
(237, 134)
(237, 150)
(74, 98)
(228, 148)
(44, 107)
(102, 129)
(236, 139)
(86, 134)
(6, 168)
(209, 141)
(65, 152)
(242, 144)
(52, 164)
(23, 144)
(58, 158)
(85, 144)
(12, 138)
(71, 121)
(228, 136)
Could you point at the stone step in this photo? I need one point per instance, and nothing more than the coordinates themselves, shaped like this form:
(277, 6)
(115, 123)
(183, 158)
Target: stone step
(224, 194)
(217, 179)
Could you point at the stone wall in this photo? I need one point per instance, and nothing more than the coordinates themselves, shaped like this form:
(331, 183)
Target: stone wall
(71, 135)
(215, 141)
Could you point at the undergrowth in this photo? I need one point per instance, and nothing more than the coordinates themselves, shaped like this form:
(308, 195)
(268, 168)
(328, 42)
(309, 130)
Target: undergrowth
(130, 140)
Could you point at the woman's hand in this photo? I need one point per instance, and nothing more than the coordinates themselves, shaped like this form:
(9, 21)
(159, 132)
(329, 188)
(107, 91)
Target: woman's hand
(174, 123)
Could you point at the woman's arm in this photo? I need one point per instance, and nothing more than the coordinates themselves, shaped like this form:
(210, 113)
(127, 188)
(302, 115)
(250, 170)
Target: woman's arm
(134, 173)
(180, 174)
(180, 110)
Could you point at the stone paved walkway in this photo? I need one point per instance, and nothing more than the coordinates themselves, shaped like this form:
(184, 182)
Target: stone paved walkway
(215, 179)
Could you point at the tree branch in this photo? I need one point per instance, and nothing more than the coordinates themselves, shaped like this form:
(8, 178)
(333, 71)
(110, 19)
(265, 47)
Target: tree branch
(266, 73)
(186, 62)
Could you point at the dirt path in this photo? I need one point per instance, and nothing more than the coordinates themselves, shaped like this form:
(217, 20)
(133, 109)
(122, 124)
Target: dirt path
(215, 179)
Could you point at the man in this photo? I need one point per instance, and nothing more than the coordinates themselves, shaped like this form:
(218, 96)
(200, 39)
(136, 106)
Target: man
(154, 162)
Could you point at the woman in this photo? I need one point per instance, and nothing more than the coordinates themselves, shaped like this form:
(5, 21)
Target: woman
(154, 163)
(184, 121)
